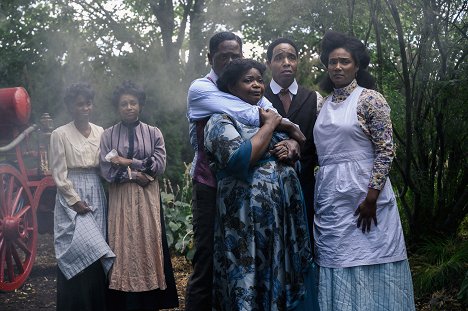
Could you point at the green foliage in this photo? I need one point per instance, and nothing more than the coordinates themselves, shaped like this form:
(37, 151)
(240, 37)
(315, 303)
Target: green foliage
(178, 215)
(440, 264)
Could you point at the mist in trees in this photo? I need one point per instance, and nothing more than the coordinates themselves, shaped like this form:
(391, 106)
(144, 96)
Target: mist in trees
(418, 48)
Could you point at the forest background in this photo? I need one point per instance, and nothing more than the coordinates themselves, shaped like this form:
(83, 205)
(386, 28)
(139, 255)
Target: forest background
(419, 59)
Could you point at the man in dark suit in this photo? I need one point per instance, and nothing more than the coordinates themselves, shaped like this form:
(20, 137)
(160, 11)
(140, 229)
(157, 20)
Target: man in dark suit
(299, 105)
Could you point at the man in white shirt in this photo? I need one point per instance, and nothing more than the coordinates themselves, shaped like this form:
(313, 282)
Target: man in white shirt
(296, 103)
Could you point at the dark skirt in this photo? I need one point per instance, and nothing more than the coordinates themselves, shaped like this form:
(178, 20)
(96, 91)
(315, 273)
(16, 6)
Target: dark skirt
(86, 291)
(153, 299)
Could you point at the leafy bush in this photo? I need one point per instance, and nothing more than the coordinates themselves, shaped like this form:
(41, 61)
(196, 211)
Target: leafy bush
(441, 264)
(178, 215)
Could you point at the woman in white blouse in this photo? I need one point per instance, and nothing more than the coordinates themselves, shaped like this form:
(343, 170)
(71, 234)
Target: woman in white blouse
(80, 215)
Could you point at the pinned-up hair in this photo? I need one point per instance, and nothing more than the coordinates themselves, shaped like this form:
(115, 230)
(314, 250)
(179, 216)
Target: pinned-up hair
(333, 40)
(76, 89)
(128, 87)
(234, 71)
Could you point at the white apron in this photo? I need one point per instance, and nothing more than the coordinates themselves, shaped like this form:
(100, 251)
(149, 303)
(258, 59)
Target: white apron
(346, 157)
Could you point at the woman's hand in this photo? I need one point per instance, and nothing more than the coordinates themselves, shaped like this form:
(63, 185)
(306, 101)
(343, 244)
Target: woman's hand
(287, 150)
(118, 160)
(367, 210)
(141, 179)
(270, 117)
(81, 207)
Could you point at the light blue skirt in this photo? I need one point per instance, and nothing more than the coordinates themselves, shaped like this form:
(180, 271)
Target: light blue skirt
(382, 287)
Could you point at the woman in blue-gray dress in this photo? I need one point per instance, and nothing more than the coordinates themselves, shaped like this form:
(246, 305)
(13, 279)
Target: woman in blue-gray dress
(262, 252)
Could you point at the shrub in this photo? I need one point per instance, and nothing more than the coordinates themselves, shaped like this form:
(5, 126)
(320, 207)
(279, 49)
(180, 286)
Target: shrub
(178, 215)
(441, 264)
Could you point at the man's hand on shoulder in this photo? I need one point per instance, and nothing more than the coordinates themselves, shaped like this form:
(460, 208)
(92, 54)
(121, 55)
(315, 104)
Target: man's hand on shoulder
(293, 130)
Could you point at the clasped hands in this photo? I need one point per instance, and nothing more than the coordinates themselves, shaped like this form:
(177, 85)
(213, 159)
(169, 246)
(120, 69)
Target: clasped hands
(140, 178)
(287, 150)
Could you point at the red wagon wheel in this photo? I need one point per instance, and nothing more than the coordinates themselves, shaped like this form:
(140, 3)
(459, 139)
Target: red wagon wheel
(18, 229)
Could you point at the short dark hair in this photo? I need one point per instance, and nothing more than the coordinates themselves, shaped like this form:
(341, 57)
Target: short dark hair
(234, 71)
(333, 40)
(128, 87)
(220, 37)
(278, 42)
(76, 89)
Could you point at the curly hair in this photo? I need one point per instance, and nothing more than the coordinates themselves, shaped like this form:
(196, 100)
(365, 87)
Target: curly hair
(278, 42)
(234, 71)
(76, 89)
(333, 40)
(131, 88)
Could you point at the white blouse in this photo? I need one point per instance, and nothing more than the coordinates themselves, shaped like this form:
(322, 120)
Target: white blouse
(69, 149)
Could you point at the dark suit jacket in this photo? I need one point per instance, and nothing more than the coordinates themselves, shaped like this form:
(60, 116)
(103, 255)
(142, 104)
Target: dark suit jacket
(303, 112)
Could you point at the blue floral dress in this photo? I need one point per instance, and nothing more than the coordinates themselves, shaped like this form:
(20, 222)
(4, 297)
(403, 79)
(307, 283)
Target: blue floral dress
(262, 251)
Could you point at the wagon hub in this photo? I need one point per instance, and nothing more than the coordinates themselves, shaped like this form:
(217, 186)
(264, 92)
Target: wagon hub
(13, 228)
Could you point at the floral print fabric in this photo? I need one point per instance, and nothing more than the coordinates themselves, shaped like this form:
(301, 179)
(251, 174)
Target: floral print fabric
(261, 247)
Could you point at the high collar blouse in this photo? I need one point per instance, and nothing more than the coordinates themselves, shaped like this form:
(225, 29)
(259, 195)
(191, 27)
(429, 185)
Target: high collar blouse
(373, 114)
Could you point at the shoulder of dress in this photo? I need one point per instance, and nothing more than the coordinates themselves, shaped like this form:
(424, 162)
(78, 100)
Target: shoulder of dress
(150, 127)
(110, 128)
(96, 127)
(372, 97)
(62, 129)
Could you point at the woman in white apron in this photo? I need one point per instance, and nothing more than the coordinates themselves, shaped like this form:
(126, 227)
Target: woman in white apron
(360, 248)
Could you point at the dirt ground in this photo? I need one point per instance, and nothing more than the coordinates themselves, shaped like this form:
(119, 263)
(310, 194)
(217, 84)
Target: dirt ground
(38, 293)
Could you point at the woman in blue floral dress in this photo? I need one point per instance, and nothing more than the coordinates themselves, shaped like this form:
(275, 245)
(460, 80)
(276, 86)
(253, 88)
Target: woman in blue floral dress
(262, 252)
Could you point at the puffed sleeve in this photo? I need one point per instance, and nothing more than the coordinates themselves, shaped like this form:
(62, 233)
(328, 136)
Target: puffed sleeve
(58, 161)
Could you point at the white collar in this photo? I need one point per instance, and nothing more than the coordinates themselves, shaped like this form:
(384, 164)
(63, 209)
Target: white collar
(276, 88)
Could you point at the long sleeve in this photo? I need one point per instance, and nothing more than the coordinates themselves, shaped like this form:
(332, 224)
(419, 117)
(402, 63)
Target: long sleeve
(108, 172)
(374, 115)
(58, 162)
(154, 165)
(204, 99)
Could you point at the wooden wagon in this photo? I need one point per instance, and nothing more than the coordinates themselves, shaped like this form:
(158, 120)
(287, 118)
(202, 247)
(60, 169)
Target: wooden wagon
(26, 186)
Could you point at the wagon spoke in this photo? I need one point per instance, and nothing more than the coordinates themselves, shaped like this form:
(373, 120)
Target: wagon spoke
(9, 196)
(22, 211)
(11, 271)
(23, 246)
(17, 259)
(3, 190)
(15, 203)
(2, 261)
